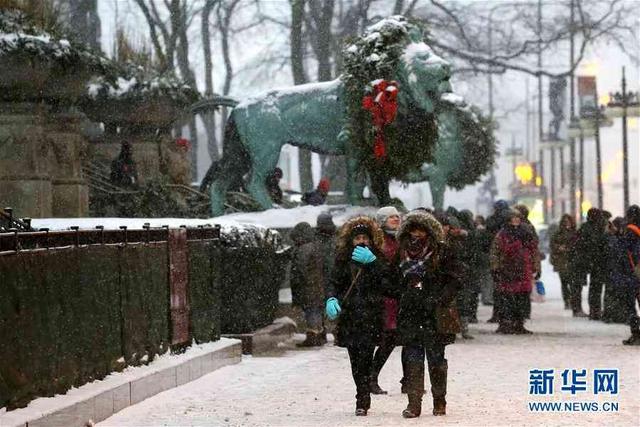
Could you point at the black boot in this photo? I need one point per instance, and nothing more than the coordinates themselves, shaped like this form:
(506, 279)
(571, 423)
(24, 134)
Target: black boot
(374, 387)
(415, 389)
(505, 327)
(312, 340)
(363, 403)
(634, 339)
(519, 328)
(438, 377)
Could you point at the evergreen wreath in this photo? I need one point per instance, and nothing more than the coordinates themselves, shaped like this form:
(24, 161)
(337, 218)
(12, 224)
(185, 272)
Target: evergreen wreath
(478, 145)
(411, 137)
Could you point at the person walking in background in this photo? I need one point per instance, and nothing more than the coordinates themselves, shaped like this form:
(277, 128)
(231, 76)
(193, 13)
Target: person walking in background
(482, 245)
(314, 263)
(459, 244)
(301, 234)
(273, 186)
(124, 171)
(319, 195)
(388, 219)
(588, 259)
(495, 223)
(474, 262)
(354, 296)
(524, 216)
(428, 319)
(514, 263)
(562, 242)
(628, 271)
(614, 310)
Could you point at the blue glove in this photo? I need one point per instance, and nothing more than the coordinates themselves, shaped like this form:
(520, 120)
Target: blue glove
(540, 287)
(332, 308)
(363, 255)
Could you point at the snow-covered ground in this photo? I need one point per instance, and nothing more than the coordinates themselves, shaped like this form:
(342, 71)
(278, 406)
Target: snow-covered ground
(488, 382)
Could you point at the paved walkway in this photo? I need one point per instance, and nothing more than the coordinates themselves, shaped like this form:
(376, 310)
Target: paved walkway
(488, 382)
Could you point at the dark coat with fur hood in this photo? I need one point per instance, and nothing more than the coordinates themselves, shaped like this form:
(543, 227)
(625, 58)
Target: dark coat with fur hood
(441, 281)
(361, 320)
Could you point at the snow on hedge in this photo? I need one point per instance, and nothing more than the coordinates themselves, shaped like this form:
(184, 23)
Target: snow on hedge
(238, 229)
(18, 36)
(233, 233)
(131, 84)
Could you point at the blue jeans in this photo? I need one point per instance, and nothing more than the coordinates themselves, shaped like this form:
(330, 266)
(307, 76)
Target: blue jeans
(416, 354)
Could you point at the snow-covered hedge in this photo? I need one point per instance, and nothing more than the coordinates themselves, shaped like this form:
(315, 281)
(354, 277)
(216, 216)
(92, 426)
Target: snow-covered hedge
(18, 36)
(130, 85)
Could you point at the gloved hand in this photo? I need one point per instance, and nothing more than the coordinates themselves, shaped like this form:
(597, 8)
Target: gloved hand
(332, 308)
(363, 255)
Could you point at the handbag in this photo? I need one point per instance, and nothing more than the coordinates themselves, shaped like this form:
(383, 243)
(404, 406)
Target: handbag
(448, 320)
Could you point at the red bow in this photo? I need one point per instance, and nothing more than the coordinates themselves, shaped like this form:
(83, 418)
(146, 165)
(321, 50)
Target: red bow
(383, 105)
(183, 143)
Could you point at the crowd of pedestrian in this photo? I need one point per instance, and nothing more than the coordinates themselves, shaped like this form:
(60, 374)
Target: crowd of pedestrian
(603, 255)
(416, 280)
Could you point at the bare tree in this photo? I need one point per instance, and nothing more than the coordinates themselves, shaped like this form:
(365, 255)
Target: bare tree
(208, 118)
(460, 31)
(171, 45)
(300, 77)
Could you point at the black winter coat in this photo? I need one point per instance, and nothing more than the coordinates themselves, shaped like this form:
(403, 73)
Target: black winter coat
(417, 324)
(589, 252)
(361, 319)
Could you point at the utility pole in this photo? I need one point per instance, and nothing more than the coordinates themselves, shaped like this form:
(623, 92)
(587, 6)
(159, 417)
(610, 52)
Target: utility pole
(527, 151)
(540, 122)
(492, 177)
(625, 144)
(581, 172)
(572, 118)
(598, 152)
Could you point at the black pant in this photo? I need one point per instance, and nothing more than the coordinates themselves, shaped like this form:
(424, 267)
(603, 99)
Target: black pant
(514, 307)
(361, 357)
(576, 283)
(383, 352)
(565, 280)
(596, 286)
(630, 301)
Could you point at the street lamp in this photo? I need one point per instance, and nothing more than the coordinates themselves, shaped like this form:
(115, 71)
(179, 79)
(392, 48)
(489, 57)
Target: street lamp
(622, 105)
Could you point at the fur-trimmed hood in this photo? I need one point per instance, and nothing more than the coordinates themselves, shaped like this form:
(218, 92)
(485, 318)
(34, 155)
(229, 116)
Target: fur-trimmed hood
(423, 220)
(344, 240)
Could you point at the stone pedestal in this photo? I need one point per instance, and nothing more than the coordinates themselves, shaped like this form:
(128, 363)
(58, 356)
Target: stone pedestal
(40, 161)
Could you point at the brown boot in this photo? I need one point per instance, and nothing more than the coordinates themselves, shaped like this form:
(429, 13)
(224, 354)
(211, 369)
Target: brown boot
(415, 389)
(438, 377)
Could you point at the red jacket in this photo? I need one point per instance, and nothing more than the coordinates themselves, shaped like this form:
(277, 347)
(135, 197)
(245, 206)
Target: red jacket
(514, 262)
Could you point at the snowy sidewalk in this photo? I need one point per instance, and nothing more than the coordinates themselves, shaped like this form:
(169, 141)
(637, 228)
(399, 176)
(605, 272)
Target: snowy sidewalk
(488, 382)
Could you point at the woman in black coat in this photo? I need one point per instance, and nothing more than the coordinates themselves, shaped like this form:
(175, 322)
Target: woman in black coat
(428, 319)
(354, 293)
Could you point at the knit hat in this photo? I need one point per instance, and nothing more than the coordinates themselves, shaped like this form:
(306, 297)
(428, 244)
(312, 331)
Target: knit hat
(359, 229)
(384, 213)
(324, 223)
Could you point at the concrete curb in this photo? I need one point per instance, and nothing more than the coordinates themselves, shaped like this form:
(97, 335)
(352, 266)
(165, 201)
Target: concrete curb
(98, 400)
(265, 340)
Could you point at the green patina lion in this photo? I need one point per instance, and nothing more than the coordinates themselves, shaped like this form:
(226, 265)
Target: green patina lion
(326, 118)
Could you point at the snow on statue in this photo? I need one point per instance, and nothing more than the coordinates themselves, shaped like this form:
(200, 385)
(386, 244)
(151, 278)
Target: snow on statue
(384, 114)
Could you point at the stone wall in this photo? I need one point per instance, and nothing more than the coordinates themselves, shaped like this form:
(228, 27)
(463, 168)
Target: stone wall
(41, 150)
